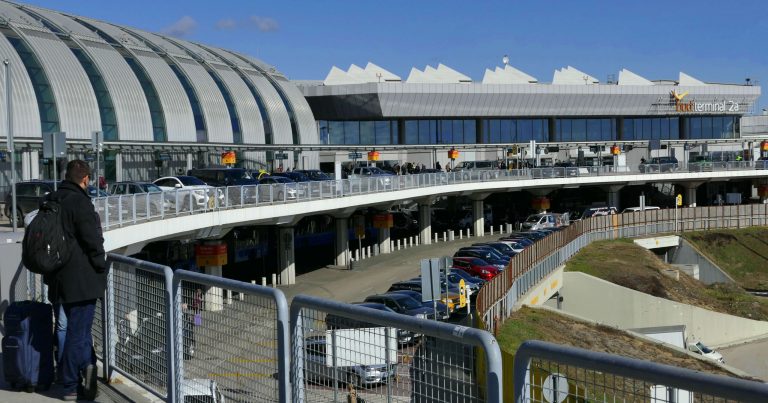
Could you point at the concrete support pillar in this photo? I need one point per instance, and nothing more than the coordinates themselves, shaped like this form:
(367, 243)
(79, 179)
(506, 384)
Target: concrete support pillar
(425, 224)
(118, 167)
(689, 198)
(30, 165)
(190, 161)
(478, 216)
(384, 241)
(614, 198)
(287, 262)
(214, 296)
(342, 241)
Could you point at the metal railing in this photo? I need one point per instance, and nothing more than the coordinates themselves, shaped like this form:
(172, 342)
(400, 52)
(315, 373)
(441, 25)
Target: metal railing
(342, 350)
(525, 270)
(122, 210)
(546, 372)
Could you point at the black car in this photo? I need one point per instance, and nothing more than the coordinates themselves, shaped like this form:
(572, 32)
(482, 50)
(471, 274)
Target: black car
(659, 164)
(294, 176)
(314, 174)
(28, 197)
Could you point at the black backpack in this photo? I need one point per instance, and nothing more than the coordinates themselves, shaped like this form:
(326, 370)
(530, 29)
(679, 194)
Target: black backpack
(45, 248)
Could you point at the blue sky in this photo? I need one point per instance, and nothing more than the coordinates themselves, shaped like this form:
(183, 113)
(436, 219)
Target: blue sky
(714, 41)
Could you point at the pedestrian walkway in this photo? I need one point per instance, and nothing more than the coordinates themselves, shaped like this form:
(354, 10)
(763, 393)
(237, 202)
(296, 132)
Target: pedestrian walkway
(117, 392)
(373, 275)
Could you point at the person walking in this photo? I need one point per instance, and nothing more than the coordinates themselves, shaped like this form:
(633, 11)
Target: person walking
(80, 282)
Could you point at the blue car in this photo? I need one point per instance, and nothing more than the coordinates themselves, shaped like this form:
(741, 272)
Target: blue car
(442, 309)
(499, 264)
(501, 247)
(403, 304)
(493, 252)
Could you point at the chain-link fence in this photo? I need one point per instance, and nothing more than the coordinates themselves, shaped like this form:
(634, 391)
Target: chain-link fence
(231, 340)
(342, 351)
(546, 372)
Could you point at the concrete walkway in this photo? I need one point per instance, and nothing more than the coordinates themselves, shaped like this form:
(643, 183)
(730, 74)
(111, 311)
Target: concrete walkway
(748, 357)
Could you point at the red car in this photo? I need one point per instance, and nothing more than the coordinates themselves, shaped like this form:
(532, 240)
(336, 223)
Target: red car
(476, 267)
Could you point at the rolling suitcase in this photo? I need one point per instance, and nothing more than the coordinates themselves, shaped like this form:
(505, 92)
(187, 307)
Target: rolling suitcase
(28, 345)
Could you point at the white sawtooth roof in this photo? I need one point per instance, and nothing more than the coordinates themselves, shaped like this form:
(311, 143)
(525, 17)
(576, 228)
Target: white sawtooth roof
(572, 76)
(627, 77)
(357, 75)
(507, 75)
(687, 80)
(442, 74)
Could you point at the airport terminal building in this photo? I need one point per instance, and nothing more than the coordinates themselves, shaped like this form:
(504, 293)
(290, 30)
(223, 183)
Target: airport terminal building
(440, 106)
(164, 105)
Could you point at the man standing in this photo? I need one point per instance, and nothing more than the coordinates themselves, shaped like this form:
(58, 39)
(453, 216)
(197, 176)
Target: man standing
(81, 281)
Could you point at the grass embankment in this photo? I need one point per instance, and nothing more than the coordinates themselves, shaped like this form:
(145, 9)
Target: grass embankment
(626, 264)
(540, 324)
(742, 253)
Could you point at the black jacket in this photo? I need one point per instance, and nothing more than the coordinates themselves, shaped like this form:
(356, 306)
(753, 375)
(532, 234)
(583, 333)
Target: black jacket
(84, 277)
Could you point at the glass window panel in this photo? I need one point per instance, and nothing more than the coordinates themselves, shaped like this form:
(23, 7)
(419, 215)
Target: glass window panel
(352, 132)
(647, 128)
(423, 132)
(594, 130)
(433, 131)
(579, 129)
(629, 129)
(458, 131)
(717, 127)
(525, 129)
(505, 131)
(495, 130)
(536, 130)
(565, 130)
(470, 135)
(544, 130)
(695, 125)
(395, 132)
(674, 128)
(367, 133)
(728, 124)
(606, 129)
(446, 132)
(336, 132)
(411, 132)
(664, 128)
(381, 127)
(655, 128)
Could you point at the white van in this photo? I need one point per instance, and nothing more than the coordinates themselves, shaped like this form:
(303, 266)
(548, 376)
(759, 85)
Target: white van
(544, 220)
(636, 209)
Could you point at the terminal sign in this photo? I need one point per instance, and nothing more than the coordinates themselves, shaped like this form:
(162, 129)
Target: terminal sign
(694, 106)
(211, 255)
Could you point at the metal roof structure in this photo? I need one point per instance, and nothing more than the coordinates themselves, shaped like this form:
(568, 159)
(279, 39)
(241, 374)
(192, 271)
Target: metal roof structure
(77, 74)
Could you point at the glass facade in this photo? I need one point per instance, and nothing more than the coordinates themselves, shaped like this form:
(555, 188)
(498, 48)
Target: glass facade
(202, 133)
(585, 130)
(358, 132)
(515, 130)
(711, 127)
(651, 128)
(268, 136)
(46, 103)
(155, 107)
(106, 109)
(442, 131)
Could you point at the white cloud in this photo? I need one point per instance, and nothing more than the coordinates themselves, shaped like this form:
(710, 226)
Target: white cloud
(227, 23)
(183, 27)
(264, 24)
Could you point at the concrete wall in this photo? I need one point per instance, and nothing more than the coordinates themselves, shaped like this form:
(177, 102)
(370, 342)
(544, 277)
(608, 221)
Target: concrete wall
(613, 305)
(544, 290)
(709, 272)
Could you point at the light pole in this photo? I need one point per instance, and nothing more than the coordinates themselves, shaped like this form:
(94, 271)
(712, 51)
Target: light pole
(11, 147)
(505, 60)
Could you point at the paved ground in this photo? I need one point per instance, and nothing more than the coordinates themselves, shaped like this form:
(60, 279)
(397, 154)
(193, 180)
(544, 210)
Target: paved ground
(375, 274)
(748, 357)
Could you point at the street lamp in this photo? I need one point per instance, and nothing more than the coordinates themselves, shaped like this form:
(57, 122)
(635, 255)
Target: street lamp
(505, 60)
(11, 147)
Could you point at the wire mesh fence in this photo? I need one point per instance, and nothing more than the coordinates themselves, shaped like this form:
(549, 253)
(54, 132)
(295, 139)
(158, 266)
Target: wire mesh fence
(342, 351)
(546, 372)
(231, 340)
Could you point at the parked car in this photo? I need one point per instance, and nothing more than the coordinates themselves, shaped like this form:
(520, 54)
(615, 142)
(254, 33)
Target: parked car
(316, 368)
(599, 211)
(277, 188)
(220, 177)
(454, 279)
(339, 322)
(659, 164)
(544, 220)
(359, 179)
(481, 254)
(495, 254)
(700, 348)
(468, 277)
(636, 209)
(443, 310)
(526, 242)
(201, 191)
(314, 174)
(93, 192)
(403, 304)
(293, 175)
(700, 163)
(476, 267)
(501, 247)
(157, 200)
(28, 197)
(476, 165)
(447, 296)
